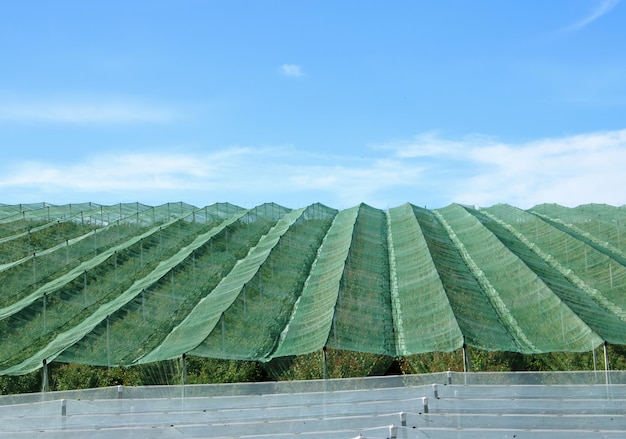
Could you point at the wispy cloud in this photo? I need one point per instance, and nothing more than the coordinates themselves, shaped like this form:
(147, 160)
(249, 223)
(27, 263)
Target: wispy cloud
(246, 176)
(82, 112)
(291, 70)
(426, 170)
(603, 8)
(481, 170)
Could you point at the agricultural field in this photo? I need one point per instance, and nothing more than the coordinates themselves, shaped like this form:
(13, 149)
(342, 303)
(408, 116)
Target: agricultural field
(127, 292)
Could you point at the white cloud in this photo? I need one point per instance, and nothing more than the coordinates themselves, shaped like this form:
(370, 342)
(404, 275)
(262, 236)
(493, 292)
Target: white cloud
(569, 170)
(245, 176)
(426, 170)
(291, 70)
(83, 112)
(603, 8)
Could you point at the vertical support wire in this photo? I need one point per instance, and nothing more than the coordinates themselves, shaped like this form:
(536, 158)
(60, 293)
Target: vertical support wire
(223, 333)
(143, 305)
(45, 383)
(183, 369)
(108, 343)
(45, 306)
(85, 286)
(607, 368)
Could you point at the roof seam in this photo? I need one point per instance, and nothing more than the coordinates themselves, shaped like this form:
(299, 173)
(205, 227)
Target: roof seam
(128, 295)
(596, 295)
(279, 229)
(396, 313)
(492, 294)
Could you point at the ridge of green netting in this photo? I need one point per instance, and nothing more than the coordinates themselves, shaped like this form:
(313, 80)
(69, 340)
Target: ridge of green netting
(595, 294)
(48, 212)
(40, 253)
(576, 334)
(363, 320)
(478, 320)
(523, 292)
(267, 300)
(69, 242)
(396, 309)
(30, 231)
(76, 272)
(511, 323)
(62, 216)
(201, 321)
(588, 238)
(79, 270)
(503, 224)
(10, 210)
(310, 321)
(418, 296)
(152, 314)
(63, 340)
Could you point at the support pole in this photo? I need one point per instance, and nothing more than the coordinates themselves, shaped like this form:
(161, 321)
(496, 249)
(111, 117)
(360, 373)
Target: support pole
(393, 432)
(45, 385)
(467, 364)
(45, 306)
(223, 333)
(324, 363)
(607, 366)
(467, 361)
(63, 414)
(183, 368)
(108, 343)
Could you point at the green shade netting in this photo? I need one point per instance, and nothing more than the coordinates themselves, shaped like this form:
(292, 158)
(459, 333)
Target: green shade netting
(130, 283)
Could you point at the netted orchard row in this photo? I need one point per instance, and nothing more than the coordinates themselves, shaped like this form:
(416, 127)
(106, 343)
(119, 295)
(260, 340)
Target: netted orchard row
(131, 284)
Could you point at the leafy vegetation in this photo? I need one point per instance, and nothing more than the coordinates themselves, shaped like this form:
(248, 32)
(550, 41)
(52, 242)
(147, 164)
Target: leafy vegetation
(339, 364)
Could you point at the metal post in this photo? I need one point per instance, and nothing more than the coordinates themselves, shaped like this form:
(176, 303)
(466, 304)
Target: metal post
(393, 432)
(63, 414)
(108, 343)
(324, 365)
(45, 385)
(143, 304)
(85, 286)
(244, 300)
(223, 333)
(45, 306)
(607, 366)
(466, 363)
(183, 368)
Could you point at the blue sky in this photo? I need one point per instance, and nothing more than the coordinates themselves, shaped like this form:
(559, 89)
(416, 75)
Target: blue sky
(296, 102)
